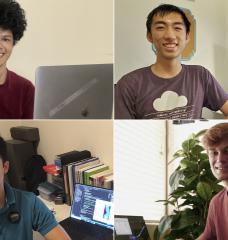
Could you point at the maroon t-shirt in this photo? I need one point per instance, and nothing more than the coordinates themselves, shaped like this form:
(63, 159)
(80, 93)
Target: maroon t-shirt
(217, 219)
(16, 97)
(141, 94)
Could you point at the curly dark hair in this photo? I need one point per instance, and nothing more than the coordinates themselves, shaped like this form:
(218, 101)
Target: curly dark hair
(12, 17)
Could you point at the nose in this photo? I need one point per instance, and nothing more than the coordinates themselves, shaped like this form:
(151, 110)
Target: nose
(169, 33)
(221, 157)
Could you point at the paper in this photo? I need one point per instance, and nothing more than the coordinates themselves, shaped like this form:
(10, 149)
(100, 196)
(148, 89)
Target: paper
(122, 226)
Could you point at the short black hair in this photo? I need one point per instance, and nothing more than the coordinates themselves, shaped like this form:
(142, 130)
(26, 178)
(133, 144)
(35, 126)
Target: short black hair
(3, 150)
(163, 10)
(12, 17)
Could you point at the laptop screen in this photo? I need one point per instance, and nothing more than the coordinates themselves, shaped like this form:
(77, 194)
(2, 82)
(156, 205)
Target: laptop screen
(94, 205)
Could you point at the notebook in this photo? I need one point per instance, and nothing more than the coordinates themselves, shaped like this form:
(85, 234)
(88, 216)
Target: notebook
(92, 214)
(74, 92)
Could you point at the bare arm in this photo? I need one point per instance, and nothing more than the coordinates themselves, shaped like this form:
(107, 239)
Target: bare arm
(57, 233)
(224, 109)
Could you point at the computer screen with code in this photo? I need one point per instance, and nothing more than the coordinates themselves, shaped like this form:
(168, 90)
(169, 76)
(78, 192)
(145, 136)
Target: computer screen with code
(94, 205)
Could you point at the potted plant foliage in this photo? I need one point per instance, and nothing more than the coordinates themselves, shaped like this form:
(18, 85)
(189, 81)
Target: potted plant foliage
(192, 187)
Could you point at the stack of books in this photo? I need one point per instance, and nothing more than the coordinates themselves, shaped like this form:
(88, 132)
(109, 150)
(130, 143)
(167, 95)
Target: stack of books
(80, 167)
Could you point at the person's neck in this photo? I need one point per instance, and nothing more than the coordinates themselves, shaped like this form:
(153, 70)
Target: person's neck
(2, 197)
(166, 69)
(3, 74)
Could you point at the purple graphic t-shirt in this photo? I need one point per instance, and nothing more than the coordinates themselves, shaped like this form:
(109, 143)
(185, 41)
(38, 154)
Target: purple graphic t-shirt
(143, 95)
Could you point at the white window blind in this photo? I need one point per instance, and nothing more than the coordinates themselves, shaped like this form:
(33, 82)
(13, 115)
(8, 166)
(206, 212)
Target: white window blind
(139, 168)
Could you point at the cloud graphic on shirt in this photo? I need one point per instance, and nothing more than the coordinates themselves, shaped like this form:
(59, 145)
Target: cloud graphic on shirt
(169, 100)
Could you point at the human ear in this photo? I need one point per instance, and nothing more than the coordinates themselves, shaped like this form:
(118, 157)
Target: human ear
(149, 37)
(187, 38)
(6, 167)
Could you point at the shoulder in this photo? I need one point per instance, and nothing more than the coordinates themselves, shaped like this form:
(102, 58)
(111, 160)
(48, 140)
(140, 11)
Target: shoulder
(219, 197)
(195, 68)
(24, 196)
(18, 80)
(137, 74)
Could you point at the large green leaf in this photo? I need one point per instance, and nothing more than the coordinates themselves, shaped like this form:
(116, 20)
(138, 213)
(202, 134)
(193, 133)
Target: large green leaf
(187, 218)
(197, 149)
(188, 164)
(204, 190)
(163, 227)
(191, 179)
(178, 154)
(174, 179)
(187, 145)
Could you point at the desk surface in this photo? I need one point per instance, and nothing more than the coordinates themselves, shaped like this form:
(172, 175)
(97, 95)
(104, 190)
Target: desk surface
(60, 211)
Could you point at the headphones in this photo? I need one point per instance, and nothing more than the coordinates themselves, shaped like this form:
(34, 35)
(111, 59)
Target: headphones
(14, 215)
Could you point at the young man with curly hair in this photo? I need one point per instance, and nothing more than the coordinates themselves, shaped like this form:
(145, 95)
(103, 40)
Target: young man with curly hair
(215, 141)
(16, 93)
(22, 212)
(168, 89)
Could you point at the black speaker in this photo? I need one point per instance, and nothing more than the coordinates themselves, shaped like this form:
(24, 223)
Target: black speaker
(18, 152)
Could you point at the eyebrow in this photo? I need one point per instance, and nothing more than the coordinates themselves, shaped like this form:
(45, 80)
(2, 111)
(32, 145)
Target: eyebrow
(214, 149)
(6, 35)
(163, 22)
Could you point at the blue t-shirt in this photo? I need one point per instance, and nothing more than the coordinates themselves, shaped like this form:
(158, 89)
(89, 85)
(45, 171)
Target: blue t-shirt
(34, 215)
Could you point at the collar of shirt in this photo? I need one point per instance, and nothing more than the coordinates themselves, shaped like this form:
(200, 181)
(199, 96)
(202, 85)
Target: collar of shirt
(10, 198)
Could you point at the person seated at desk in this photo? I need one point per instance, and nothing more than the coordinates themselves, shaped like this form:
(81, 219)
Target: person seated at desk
(17, 93)
(22, 212)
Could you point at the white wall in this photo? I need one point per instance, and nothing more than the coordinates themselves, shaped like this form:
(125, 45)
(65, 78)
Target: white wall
(64, 33)
(57, 137)
(132, 50)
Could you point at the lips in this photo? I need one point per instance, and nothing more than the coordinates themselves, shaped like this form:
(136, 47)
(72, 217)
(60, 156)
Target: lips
(170, 46)
(221, 168)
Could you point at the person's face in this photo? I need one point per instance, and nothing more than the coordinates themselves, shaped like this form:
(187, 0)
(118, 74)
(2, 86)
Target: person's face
(168, 34)
(6, 46)
(4, 167)
(218, 157)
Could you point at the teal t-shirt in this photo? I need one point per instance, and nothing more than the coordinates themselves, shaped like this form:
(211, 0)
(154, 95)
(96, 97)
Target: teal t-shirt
(34, 215)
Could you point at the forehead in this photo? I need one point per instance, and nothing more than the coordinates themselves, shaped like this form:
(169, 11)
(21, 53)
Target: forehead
(4, 32)
(221, 145)
(172, 17)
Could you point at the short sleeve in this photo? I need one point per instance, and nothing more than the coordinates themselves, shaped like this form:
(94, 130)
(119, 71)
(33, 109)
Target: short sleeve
(125, 99)
(43, 219)
(209, 231)
(215, 96)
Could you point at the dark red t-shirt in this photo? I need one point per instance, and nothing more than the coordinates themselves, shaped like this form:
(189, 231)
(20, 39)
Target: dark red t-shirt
(217, 219)
(16, 97)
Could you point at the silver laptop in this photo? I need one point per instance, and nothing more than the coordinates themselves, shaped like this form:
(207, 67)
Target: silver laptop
(74, 92)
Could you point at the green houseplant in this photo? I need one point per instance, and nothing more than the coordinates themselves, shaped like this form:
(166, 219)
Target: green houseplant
(192, 187)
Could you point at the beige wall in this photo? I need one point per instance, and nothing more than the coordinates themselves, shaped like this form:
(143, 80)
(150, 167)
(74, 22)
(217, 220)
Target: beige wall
(61, 136)
(62, 33)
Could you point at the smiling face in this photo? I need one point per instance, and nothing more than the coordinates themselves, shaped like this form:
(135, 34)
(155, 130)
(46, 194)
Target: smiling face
(168, 34)
(6, 46)
(218, 157)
